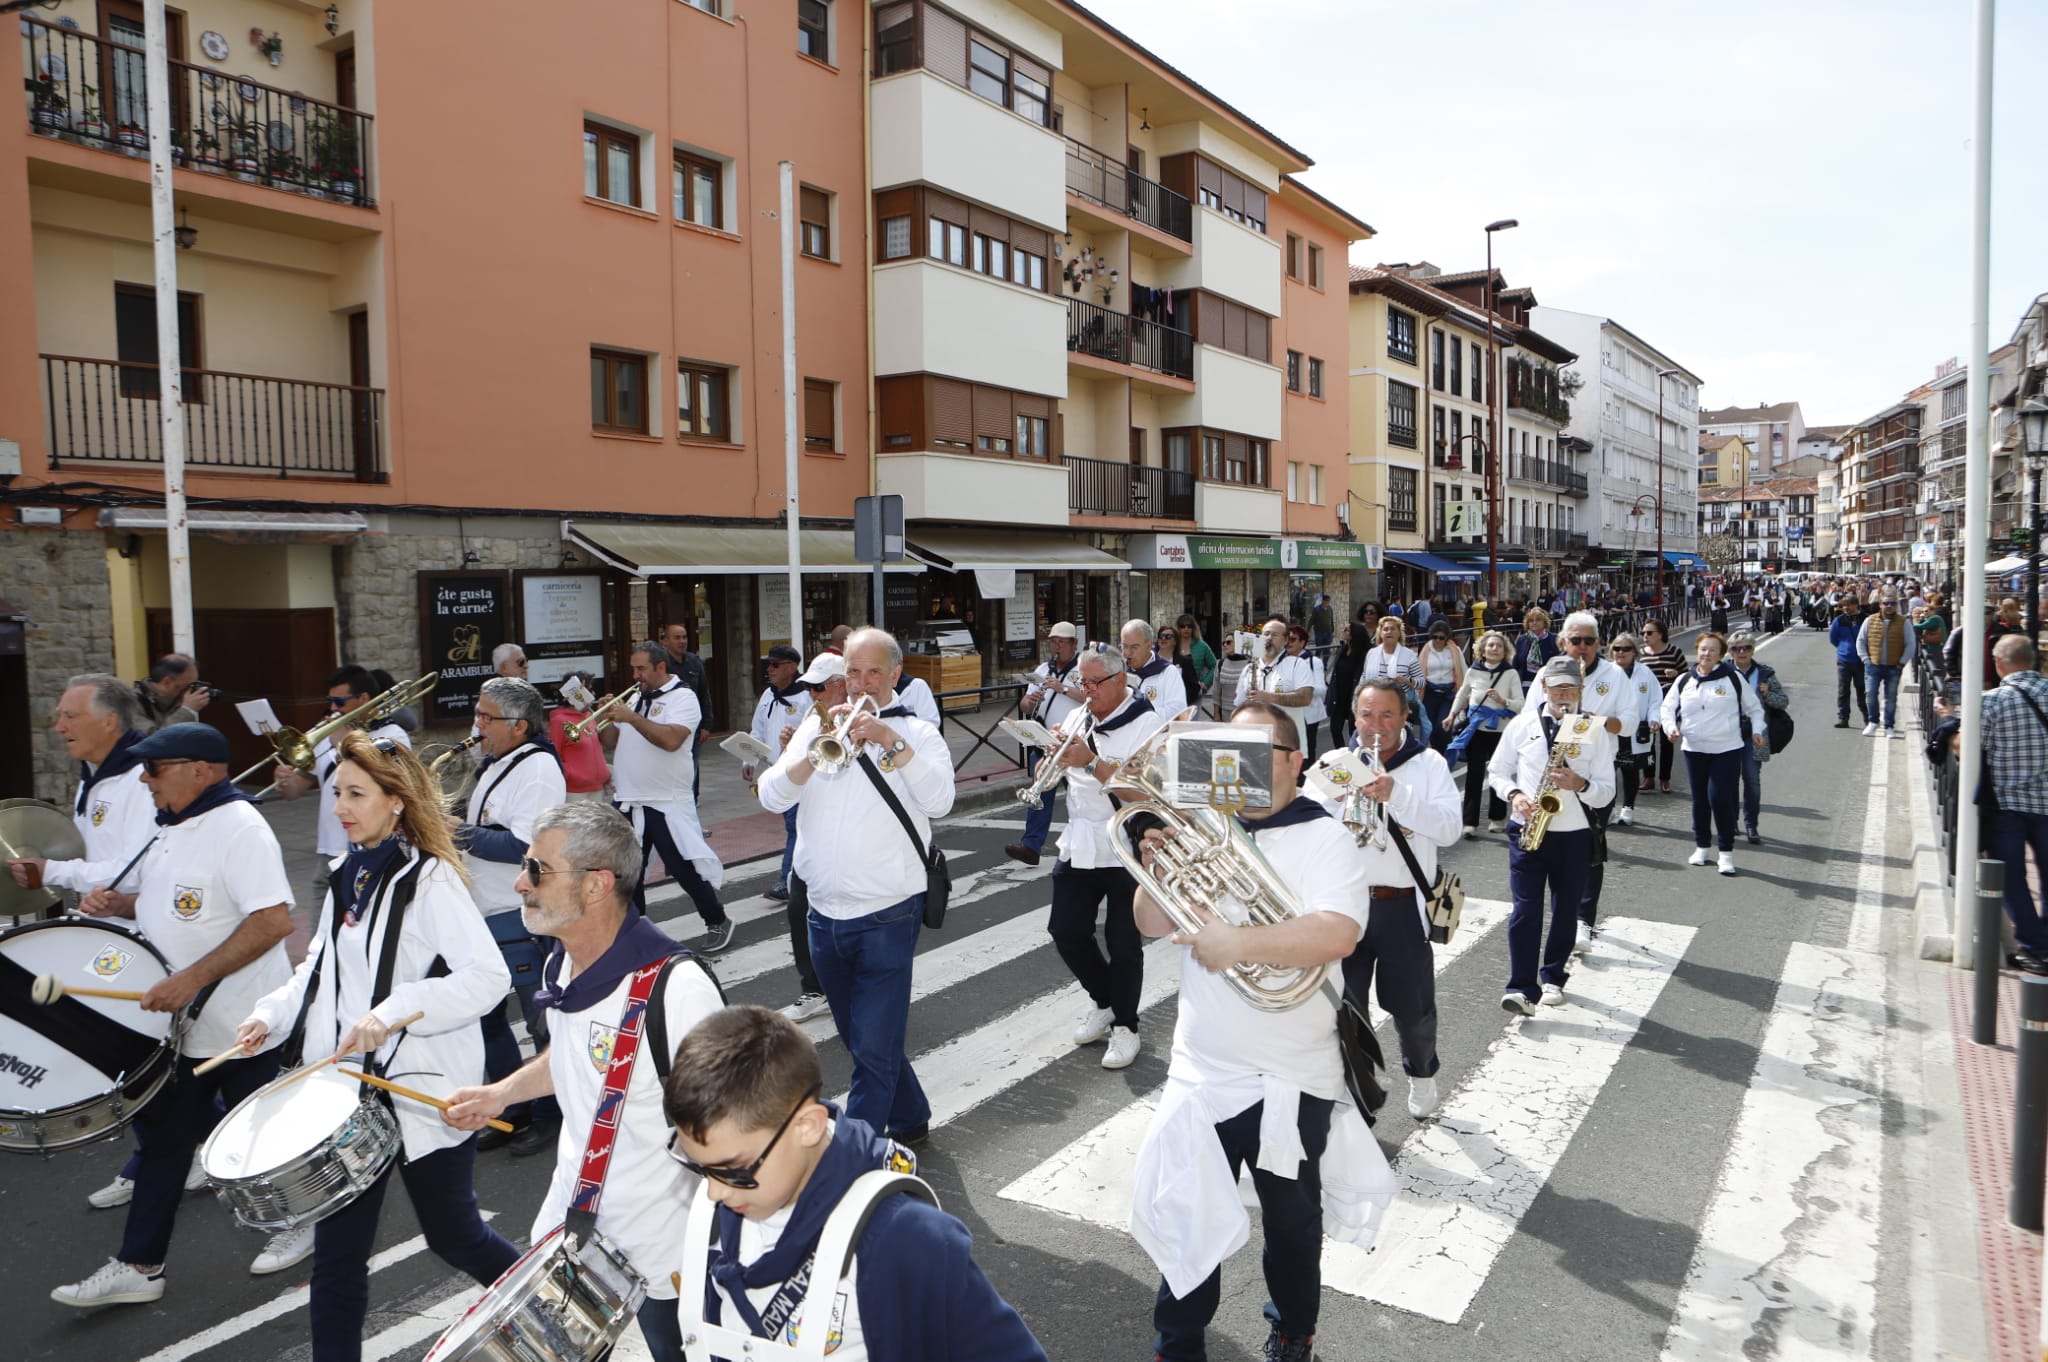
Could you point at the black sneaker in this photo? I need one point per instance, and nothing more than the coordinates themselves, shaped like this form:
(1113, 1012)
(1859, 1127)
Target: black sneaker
(1280, 1348)
(916, 1134)
(536, 1137)
(2026, 962)
(493, 1138)
(1841, 723)
(780, 893)
(1754, 839)
(716, 937)
(1017, 851)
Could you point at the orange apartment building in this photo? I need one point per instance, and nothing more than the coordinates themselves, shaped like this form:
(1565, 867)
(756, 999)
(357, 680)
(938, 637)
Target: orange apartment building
(471, 358)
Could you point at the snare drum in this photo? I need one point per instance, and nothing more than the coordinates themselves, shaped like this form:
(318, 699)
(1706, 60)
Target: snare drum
(299, 1150)
(79, 1069)
(556, 1304)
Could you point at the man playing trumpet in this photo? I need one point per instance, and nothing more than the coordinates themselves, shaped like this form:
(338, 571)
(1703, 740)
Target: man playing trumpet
(1055, 693)
(1278, 677)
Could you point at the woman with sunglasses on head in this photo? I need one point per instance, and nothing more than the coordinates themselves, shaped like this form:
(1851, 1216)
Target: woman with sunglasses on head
(1443, 673)
(1770, 693)
(1712, 712)
(1489, 698)
(398, 935)
(1639, 720)
(1665, 663)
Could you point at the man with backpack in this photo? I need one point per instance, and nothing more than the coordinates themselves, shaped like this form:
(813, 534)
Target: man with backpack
(1770, 692)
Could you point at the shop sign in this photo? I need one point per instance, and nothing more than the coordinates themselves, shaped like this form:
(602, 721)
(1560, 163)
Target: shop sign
(464, 616)
(1180, 552)
(1333, 555)
(561, 623)
(1210, 551)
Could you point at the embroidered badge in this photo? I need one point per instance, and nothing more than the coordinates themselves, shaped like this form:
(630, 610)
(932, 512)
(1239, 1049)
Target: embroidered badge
(899, 1159)
(1151, 692)
(888, 762)
(1338, 775)
(1600, 688)
(187, 901)
(602, 1039)
(110, 962)
(99, 813)
(1720, 692)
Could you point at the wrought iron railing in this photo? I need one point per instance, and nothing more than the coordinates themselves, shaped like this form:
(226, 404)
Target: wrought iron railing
(90, 90)
(1105, 487)
(1119, 336)
(1100, 180)
(106, 411)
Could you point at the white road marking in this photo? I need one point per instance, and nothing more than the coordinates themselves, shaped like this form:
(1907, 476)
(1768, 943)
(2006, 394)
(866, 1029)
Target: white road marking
(1090, 1179)
(1866, 918)
(1786, 1266)
(961, 959)
(1468, 1177)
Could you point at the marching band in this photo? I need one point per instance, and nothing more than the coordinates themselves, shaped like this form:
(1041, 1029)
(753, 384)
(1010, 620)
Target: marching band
(449, 885)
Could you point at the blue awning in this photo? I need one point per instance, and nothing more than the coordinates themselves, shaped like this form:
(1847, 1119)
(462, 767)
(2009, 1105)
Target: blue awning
(1683, 560)
(1442, 568)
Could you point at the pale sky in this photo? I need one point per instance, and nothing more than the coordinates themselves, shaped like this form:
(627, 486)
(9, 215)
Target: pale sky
(1777, 194)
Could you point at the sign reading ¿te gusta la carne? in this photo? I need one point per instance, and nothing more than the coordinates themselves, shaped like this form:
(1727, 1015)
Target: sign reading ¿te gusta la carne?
(464, 616)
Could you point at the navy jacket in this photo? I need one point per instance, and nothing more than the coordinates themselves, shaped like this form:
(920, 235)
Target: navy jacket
(1842, 633)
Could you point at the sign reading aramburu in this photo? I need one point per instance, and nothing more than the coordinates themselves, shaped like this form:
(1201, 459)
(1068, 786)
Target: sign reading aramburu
(464, 616)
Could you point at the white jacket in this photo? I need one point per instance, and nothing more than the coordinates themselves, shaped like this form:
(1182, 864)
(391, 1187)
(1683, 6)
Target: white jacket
(1708, 715)
(1645, 707)
(118, 821)
(442, 1051)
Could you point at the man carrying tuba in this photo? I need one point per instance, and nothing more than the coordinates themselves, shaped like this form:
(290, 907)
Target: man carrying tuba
(1251, 1084)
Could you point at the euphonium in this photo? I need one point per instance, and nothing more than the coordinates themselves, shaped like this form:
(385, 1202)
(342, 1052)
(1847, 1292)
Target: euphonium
(1546, 797)
(1206, 860)
(833, 750)
(1050, 770)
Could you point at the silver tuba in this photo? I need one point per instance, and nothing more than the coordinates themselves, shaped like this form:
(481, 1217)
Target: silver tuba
(1206, 860)
(1050, 771)
(833, 750)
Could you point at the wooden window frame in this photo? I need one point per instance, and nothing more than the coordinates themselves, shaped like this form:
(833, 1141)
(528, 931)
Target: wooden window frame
(604, 132)
(613, 361)
(1293, 257)
(1223, 456)
(806, 225)
(1315, 267)
(1315, 377)
(821, 399)
(688, 373)
(1436, 359)
(919, 412)
(1396, 434)
(685, 163)
(1408, 354)
(904, 52)
(979, 235)
(1402, 486)
(821, 31)
(131, 382)
(1294, 371)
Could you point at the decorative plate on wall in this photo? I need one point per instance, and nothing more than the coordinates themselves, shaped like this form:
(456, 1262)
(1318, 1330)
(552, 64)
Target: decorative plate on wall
(213, 45)
(54, 66)
(281, 135)
(247, 90)
(66, 21)
(210, 79)
(298, 103)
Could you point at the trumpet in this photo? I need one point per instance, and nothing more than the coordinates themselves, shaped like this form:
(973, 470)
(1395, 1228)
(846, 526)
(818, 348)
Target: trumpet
(1369, 816)
(834, 749)
(456, 776)
(293, 748)
(1050, 770)
(596, 721)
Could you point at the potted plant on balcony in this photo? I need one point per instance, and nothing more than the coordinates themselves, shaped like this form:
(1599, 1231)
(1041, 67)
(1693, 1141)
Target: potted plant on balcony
(281, 167)
(242, 143)
(269, 44)
(206, 151)
(343, 160)
(49, 117)
(87, 124)
(133, 139)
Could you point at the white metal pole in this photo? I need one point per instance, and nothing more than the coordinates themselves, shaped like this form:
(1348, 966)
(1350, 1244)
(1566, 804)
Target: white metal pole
(792, 442)
(156, 78)
(1976, 488)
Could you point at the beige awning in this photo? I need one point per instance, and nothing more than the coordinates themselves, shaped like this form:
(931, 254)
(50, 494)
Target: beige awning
(965, 550)
(647, 549)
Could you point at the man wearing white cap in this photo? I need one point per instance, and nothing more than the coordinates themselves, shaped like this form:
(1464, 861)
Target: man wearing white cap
(784, 702)
(824, 685)
(1055, 692)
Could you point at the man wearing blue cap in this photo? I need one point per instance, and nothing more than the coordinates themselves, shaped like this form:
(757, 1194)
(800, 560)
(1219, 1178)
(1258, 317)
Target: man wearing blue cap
(214, 898)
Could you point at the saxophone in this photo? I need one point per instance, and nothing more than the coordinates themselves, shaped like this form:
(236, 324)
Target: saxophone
(1547, 800)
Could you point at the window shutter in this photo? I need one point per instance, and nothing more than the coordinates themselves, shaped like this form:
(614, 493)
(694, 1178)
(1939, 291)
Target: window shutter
(952, 411)
(1025, 66)
(1209, 176)
(901, 416)
(1025, 237)
(1258, 339)
(944, 208)
(818, 422)
(816, 207)
(992, 413)
(1233, 328)
(1233, 194)
(945, 46)
(982, 222)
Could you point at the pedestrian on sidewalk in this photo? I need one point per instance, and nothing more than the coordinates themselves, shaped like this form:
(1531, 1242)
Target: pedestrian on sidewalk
(2016, 775)
(1713, 714)
(1848, 665)
(1489, 698)
(1665, 662)
(1638, 745)
(1887, 647)
(1770, 693)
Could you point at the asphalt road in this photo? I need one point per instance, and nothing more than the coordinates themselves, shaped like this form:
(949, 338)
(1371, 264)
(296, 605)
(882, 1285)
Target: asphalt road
(1576, 1161)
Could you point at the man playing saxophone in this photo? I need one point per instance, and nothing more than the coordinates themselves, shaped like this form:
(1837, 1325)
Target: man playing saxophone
(1116, 721)
(1549, 753)
(1251, 1084)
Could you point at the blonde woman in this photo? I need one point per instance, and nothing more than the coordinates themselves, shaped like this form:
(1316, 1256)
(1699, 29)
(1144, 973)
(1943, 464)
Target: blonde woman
(1443, 675)
(1491, 684)
(402, 874)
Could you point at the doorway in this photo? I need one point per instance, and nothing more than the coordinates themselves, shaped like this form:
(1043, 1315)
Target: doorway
(121, 73)
(1204, 593)
(284, 656)
(699, 605)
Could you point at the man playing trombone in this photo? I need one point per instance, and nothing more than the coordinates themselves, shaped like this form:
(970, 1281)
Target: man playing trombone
(1111, 724)
(348, 691)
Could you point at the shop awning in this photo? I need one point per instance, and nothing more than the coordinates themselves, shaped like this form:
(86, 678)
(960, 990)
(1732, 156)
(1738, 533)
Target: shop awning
(1681, 560)
(1442, 568)
(2010, 563)
(249, 527)
(647, 549)
(985, 550)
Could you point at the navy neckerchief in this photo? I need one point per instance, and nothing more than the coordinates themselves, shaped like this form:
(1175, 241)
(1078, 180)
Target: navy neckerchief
(1058, 672)
(643, 703)
(853, 1150)
(1151, 669)
(1132, 707)
(788, 693)
(212, 797)
(1298, 810)
(639, 944)
(362, 874)
(120, 759)
(897, 710)
(1411, 746)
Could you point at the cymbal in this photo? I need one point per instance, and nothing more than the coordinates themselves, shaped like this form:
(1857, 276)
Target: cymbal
(29, 827)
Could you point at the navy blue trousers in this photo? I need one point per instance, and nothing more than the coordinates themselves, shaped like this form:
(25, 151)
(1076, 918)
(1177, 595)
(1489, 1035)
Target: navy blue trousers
(1557, 869)
(657, 840)
(864, 965)
(1393, 959)
(166, 1133)
(1714, 777)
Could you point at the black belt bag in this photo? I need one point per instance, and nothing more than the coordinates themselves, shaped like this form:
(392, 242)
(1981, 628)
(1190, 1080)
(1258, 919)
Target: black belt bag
(938, 876)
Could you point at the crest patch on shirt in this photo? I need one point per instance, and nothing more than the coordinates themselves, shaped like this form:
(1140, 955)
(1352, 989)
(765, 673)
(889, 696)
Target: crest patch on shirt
(1600, 688)
(834, 1335)
(100, 812)
(1338, 775)
(110, 962)
(1152, 693)
(602, 1039)
(1719, 692)
(186, 901)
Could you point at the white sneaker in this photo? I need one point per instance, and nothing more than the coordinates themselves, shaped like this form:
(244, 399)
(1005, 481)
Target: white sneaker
(1627, 815)
(1123, 1048)
(1727, 863)
(195, 1176)
(1583, 942)
(1471, 831)
(1700, 856)
(1094, 1027)
(1895, 734)
(1553, 996)
(114, 1284)
(1512, 1001)
(1493, 825)
(1422, 1095)
(1870, 730)
(119, 1192)
(287, 1248)
(807, 1006)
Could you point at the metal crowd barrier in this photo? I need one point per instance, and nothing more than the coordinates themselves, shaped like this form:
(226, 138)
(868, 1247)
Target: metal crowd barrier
(1947, 772)
(1011, 695)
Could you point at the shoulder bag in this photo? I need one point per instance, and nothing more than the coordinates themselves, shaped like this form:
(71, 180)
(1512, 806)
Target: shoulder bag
(1443, 901)
(938, 878)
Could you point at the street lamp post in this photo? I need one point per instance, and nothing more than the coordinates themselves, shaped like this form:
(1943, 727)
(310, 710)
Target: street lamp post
(1493, 417)
(2034, 430)
(1662, 374)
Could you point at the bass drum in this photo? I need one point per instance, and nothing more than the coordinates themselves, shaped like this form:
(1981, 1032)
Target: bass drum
(79, 1069)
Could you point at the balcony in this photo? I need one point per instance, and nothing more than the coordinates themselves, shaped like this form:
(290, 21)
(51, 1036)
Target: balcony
(103, 411)
(1127, 195)
(88, 90)
(1124, 339)
(1104, 487)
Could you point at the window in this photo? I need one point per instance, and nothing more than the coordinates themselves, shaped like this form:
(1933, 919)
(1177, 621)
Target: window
(814, 29)
(1209, 184)
(618, 392)
(821, 420)
(815, 216)
(1401, 414)
(1457, 369)
(1478, 376)
(1401, 335)
(1034, 437)
(1179, 453)
(1438, 431)
(1293, 481)
(1436, 360)
(988, 72)
(704, 401)
(699, 190)
(923, 411)
(708, 6)
(991, 256)
(135, 342)
(895, 38)
(963, 234)
(1030, 95)
(611, 164)
(1315, 267)
(896, 237)
(1027, 268)
(1401, 498)
(1454, 452)
(1294, 371)
(1212, 457)
(1315, 484)
(948, 242)
(1315, 377)
(1003, 77)
(1217, 321)
(1293, 263)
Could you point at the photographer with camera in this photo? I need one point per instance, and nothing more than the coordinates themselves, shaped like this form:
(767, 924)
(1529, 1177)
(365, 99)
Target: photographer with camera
(172, 693)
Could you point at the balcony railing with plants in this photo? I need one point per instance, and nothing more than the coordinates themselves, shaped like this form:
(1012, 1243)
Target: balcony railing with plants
(105, 411)
(90, 90)
(1105, 487)
(1119, 336)
(1098, 179)
(1535, 388)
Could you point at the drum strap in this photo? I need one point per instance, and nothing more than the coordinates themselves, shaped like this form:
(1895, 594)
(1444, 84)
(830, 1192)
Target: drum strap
(611, 1105)
(401, 899)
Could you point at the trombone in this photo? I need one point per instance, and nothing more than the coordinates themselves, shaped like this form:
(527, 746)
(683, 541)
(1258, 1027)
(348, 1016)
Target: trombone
(597, 720)
(293, 748)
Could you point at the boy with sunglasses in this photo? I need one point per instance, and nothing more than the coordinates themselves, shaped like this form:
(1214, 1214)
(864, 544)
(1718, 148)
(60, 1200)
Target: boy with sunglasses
(780, 1168)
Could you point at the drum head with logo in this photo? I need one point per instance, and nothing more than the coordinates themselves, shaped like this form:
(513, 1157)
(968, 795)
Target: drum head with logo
(75, 1049)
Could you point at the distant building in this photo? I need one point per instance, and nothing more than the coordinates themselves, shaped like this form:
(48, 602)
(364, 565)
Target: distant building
(1773, 521)
(1721, 460)
(1774, 430)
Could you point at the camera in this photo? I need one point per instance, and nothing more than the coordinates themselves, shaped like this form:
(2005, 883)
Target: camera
(202, 688)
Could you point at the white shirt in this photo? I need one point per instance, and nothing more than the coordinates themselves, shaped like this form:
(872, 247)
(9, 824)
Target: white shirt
(510, 793)
(1439, 665)
(332, 841)
(1400, 665)
(1058, 704)
(1291, 672)
(442, 1051)
(771, 716)
(119, 818)
(641, 772)
(1085, 842)
(645, 1191)
(1166, 690)
(1708, 714)
(851, 850)
(1524, 752)
(758, 1237)
(917, 697)
(1428, 807)
(1646, 699)
(200, 879)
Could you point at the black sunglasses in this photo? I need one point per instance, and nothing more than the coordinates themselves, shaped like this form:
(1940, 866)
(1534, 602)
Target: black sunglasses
(742, 1179)
(534, 870)
(154, 766)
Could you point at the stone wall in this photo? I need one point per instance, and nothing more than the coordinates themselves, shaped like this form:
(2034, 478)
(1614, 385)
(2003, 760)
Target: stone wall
(58, 578)
(376, 586)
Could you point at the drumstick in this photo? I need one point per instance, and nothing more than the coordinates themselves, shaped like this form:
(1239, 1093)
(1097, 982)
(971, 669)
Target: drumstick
(48, 988)
(235, 1051)
(336, 1057)
(419, 1096)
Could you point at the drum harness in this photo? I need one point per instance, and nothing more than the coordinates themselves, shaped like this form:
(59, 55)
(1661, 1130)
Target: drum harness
(402, 892)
